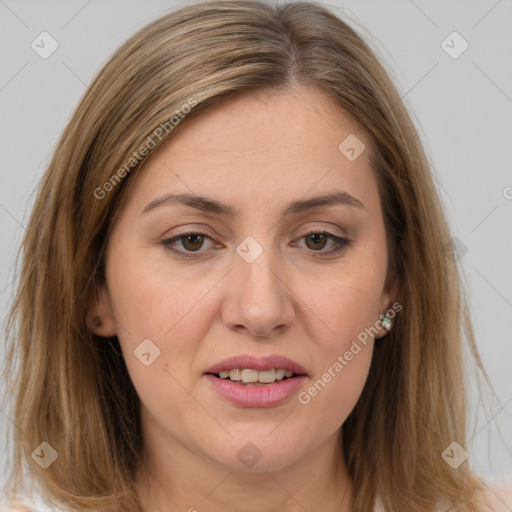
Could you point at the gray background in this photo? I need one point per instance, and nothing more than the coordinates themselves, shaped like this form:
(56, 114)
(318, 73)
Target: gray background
(462, 107)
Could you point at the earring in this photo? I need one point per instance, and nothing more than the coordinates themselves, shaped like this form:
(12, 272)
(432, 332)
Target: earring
(386, 322)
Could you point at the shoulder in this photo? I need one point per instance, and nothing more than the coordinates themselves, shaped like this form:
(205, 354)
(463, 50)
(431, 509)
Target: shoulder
(499, 493)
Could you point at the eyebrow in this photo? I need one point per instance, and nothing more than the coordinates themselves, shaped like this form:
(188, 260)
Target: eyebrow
(209, 205)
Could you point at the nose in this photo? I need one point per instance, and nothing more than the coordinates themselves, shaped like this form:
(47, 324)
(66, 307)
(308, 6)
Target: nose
(259, 300)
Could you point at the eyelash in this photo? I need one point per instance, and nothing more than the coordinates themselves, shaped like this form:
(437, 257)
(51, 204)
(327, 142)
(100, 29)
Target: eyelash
(341, 243)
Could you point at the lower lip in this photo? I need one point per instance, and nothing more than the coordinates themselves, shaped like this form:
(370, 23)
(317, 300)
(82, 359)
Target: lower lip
(257, 396)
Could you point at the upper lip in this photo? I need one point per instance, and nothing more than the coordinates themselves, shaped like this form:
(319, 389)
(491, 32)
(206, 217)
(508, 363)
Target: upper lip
(247, 361)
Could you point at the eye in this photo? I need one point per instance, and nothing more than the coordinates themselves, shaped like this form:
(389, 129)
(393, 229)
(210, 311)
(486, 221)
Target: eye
(316, 241)
(193, 241)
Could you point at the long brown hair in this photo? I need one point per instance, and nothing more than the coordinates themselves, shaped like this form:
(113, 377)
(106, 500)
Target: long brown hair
(71, 389)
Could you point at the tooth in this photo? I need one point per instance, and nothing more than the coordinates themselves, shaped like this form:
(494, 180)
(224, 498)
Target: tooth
(249, 375)
(266, 376)
(235, 374)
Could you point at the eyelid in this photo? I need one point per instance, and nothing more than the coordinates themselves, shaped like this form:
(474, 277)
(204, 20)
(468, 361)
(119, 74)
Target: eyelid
(323, 229)
(200, 229)
(196, 229)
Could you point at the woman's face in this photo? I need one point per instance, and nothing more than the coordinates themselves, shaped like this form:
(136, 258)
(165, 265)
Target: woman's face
(259, 284)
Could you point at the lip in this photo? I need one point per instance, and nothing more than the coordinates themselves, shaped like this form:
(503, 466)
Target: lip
(267, 395)
(247, 361)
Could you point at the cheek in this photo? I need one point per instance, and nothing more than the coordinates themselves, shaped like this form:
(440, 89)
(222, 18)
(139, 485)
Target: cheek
(149, 301)
(344, 362)
(172, 313)
(345, 311)
(335, 392)
(174, 310)
(346, 306)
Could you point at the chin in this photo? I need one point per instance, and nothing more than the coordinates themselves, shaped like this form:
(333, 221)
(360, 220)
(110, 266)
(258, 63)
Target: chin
(255, 454)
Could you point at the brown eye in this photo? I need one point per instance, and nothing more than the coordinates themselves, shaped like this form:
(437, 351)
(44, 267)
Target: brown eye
(192, 242)
(318, 241)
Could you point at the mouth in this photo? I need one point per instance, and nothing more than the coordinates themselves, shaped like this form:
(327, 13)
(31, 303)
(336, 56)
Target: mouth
(249, 381)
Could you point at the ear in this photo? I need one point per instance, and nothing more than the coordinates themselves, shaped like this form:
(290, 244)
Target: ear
(100, 319)
(390, 297)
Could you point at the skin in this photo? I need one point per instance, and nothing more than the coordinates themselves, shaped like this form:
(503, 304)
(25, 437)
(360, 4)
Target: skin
(258, 153)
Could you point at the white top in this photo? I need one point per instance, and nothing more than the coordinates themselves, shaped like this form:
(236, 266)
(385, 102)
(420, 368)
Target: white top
(500, 499)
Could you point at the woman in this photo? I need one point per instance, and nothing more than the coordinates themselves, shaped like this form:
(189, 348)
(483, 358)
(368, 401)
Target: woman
(244, 292)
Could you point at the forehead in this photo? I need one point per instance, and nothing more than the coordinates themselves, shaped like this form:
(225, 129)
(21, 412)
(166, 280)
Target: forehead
(262, 146)
(254, 123)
